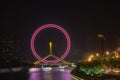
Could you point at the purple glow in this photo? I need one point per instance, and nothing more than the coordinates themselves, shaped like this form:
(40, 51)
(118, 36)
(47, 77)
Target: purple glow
(55, 74)
(52, 26)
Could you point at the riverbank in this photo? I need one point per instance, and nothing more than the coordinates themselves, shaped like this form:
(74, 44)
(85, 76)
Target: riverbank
(102, 77)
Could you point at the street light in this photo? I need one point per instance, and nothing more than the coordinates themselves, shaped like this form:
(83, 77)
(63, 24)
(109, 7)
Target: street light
(107, 53)
(90, 58)
(97, 54)
(116, 54)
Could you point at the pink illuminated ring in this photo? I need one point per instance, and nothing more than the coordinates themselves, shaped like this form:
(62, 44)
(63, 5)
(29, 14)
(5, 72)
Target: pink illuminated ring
(52, 26)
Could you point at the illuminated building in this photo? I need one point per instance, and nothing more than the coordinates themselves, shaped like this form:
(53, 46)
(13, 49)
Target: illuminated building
(8, 48)
(101, 39)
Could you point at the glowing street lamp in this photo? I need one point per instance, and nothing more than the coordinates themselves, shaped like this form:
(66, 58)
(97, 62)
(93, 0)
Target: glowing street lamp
(97, 54)
(91, 56)
(107, 53)
(89, 59)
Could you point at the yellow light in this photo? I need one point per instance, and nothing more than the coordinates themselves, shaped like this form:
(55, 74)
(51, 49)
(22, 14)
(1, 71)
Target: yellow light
(50, 45)
(89, 59)
(113, 57)
(107, 52)
(91, 56)
(100, 35)
(97, 54)
(116, 55)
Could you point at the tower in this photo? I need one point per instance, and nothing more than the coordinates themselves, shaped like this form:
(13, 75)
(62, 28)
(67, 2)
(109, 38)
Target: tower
(101, 39)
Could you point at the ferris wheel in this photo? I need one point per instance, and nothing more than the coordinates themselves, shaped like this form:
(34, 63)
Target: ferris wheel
(57, 59)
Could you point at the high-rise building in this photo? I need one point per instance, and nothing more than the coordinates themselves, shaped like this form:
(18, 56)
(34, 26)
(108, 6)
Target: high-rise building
(101, 39)
(8, 48)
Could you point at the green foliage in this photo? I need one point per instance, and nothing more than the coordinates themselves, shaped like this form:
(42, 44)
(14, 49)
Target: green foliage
(92, 68)
(95, 68)
(91, 71)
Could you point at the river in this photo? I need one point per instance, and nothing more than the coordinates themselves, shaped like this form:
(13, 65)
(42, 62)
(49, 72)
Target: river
(39, 74)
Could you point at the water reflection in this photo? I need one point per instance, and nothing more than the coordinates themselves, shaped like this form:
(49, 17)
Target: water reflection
(54, 74)
(37, 74)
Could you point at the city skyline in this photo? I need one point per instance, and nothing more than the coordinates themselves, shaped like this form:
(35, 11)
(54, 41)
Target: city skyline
(82, 20)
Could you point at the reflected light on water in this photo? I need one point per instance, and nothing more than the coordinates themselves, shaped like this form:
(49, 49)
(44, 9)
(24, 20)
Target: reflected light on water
(53, 74)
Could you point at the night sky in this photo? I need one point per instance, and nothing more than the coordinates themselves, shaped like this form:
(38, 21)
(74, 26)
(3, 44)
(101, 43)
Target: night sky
(82, 20)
